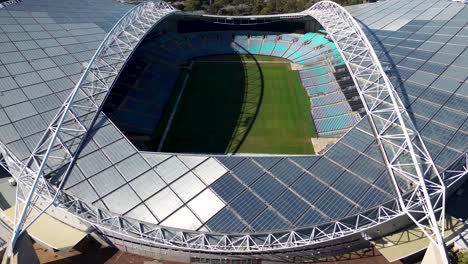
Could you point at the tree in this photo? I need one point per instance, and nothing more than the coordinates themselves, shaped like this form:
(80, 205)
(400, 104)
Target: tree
(217, 5)
(462, 257)
(257, 6)
(254, 7)
(192, 5)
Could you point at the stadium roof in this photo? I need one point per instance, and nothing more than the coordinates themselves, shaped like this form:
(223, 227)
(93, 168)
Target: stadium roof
(46, 45)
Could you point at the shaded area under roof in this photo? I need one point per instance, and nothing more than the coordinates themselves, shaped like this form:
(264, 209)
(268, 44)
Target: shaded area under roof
(43, 48)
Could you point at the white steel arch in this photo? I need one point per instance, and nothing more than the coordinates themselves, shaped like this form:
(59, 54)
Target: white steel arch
(402, 147)
(60, 145)
(62, 140)
(9, 2)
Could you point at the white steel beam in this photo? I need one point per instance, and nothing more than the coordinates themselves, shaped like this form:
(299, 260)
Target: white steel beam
(402, 147)
(58, 147)
(9, 2)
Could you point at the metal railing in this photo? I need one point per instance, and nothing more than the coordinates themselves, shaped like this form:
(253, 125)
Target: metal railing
(60, 145)
(403, 150)
(63, 139)
(9, 2)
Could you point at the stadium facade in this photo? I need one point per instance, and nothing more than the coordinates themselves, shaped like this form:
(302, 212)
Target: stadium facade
(409, 64)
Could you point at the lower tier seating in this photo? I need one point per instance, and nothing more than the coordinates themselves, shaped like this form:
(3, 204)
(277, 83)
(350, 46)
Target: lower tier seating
(330, 98)
(326, 126)
(316, 53)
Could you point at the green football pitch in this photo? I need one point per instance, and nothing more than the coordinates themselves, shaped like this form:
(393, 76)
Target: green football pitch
(237, 104)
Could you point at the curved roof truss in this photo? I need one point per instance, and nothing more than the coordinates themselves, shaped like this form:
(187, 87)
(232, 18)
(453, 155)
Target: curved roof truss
(400, 144)
(9, 2)
(62, 141)
(403, 149)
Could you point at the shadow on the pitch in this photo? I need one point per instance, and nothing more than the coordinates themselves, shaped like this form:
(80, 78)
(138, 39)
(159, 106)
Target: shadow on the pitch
(253, 98)
(220, 99)
(220, 104)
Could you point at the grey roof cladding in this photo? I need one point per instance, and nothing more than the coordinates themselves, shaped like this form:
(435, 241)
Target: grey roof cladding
(29, 43)
(43, 45)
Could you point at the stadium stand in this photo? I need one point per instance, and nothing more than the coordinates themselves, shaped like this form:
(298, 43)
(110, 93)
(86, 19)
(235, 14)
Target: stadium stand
(316, 54)
(331, 110)
(255, 44)
(335, 125)
(330, 98)
(251, 203)
(268, 44)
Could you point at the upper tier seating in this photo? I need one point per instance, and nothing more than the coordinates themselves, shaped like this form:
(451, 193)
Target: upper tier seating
(315, 71)
(316, 53)
(255, 44)
(330, 110)
(318, 80)
(281, 47)
(329, 98)
(268, 44)
(327, 126)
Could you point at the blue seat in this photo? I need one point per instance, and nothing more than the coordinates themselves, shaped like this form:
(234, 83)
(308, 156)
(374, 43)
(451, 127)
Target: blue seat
(330, 98)
(280, 48)
(331, 111)
(255, 44)
(268, 46)
(336, 123)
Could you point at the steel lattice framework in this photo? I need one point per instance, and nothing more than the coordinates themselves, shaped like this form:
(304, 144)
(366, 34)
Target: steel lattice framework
(9, 2)
(250, 20)
(401, 145)
(62, 141)
(403, 149)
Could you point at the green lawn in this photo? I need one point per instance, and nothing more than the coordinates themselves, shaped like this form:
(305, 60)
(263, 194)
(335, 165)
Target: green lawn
(234, 104)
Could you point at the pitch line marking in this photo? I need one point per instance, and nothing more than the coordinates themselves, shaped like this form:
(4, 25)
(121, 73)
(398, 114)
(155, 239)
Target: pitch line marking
(174, 110)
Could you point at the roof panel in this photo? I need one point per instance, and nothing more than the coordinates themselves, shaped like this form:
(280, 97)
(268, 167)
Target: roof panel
(37, 90)
(119, 150)
(20, 111)
(30, 125)
(106, 181)
(163, 203)
(187, 186)
(192, 161)
(141, 212)
(12, 97)
(290, 206)
(8, 133)
(226, 221)
(209, 171)
(84, 191)
(147, 184)
(93, 163)
(333, 205)
(183, 218)
(121, 206)
(206, 205)
(154, 158)
(247, 206)
(286, 171)
(171, 169)
(54, 54)
(268, 221)
(268, 188)
(19, 68)
(7, 83)
(132, 167)
(228, 187)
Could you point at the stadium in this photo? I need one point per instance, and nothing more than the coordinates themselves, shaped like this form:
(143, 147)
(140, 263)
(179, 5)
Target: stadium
(196, 138)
